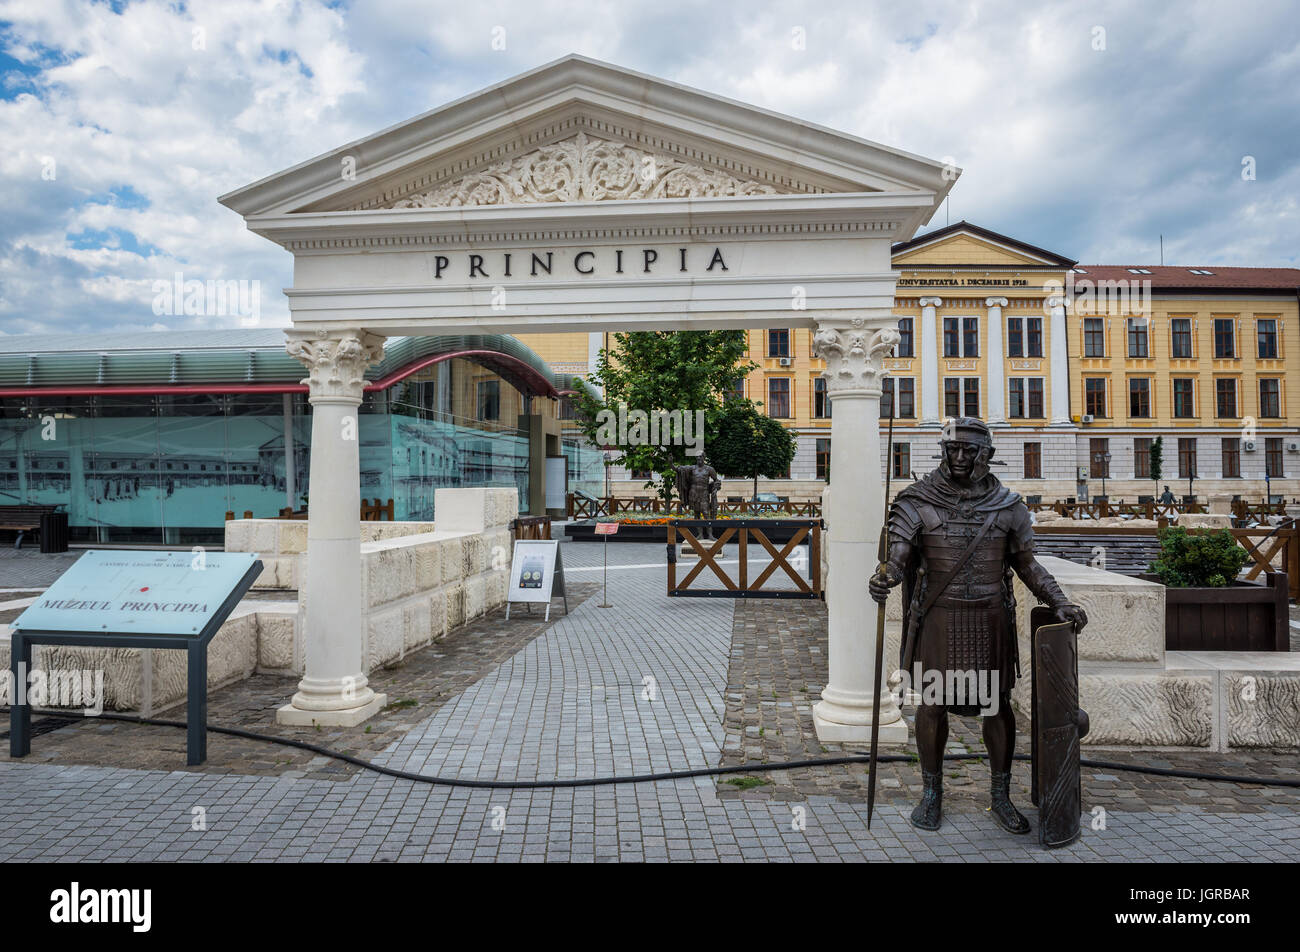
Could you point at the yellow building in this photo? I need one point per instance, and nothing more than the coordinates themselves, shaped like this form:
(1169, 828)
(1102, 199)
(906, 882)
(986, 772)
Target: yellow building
(1075, 369)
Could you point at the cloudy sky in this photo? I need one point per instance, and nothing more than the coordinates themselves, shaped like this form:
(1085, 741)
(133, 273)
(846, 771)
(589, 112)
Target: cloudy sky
(1086, 128)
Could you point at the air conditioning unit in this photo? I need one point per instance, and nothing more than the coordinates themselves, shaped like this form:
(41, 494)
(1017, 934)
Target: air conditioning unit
(1293, 447)
(785, 361)
(1086, 418)
(1248, 445)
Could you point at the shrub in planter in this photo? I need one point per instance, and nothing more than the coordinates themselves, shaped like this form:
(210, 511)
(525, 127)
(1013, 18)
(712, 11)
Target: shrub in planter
(1200, 558)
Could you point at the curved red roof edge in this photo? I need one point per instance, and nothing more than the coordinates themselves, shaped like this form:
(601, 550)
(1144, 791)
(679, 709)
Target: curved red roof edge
(522, 375)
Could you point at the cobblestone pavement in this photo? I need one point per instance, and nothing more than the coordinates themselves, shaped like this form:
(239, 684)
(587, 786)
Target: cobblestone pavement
(777, 665)
(574, 690)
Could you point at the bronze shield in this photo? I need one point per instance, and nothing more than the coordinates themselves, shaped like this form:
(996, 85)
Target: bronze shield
(1058, 728)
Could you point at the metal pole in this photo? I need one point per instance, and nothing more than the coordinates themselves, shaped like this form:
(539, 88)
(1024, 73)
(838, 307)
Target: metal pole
(605, 552)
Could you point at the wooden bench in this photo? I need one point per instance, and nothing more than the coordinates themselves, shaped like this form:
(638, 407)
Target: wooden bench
(23, 519)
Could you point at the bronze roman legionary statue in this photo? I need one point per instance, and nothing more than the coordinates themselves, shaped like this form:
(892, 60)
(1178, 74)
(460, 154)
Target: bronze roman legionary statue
(697, 486)
(955, 537)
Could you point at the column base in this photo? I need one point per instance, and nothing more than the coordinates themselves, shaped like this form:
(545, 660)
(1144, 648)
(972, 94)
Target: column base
(829, 720)
(291, 716)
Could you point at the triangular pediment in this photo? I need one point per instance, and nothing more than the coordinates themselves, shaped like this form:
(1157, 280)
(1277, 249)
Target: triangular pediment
(967, 245)
(584, 167)
(577, 130)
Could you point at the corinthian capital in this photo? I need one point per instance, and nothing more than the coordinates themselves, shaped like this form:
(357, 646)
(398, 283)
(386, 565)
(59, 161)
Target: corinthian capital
(854, 353)
(336, 361)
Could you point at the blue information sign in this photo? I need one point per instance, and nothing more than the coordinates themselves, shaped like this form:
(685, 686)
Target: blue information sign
(161, 593)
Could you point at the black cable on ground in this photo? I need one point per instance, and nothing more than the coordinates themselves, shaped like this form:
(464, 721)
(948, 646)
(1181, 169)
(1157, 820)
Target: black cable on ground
(855, 758)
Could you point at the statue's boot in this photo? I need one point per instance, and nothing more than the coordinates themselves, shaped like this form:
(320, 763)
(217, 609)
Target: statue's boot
(928, 814)
(1008, 817)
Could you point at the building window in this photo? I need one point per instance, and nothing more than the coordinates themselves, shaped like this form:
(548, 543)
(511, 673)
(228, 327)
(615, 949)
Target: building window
(1033, 461)
(1273, 457)
(906, 347)
(1015, 337)
(1142, 457)
(906, 398)
(489, 399)
(1186, 457)
(970, 334)
(1270, 397)
(1231, 458)
(778, 397)
(1225, 398)
(951, 339)
(887, 398)
(1139, 397)
(1036, 398)
(823, 459)
(1098, 453)
(952, 396)
(1266, 332)
(1016, 397)
(1094, 396)
(1137, 337)
(821, 401)
(972, 396)
(1034, 337)
(778, 343)
(1184, 404)
(902, 460)
(736, 391)
(1180, 337)
(1223, 342)
(1094, 337)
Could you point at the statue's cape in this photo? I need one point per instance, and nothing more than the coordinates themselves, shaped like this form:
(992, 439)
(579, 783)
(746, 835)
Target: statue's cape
(939, 489)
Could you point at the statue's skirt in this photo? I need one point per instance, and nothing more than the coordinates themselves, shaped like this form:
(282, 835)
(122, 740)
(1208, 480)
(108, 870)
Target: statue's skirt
(972, 642)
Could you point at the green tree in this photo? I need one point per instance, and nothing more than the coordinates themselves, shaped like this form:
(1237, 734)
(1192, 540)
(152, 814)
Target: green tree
(751, 444)
(658, 372)
(1157, 462)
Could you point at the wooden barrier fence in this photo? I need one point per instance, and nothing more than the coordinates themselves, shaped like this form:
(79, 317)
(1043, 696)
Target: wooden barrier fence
(745, 531)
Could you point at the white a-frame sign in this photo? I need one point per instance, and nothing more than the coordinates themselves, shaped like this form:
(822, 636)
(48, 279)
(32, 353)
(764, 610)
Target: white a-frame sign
(536, 574)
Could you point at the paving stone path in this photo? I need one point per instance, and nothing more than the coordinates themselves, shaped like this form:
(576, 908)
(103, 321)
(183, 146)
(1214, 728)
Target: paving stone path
(571, 700)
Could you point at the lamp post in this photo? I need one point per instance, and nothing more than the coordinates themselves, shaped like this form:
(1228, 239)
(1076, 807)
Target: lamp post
(1103, 459)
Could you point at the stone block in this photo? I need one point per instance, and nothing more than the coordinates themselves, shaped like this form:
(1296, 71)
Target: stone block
(232, 653)
(1158, 709)
(455, 599)
(415, 625)
(476, 555)
(1204, 520)
(437, 603)
(262, 535)
(293, 537)
(275, 642)
(460, 510)
(384, 637)
(452, 556)
(475, 597)
(496, 588)
(1264, 711)
(428, 566)
(238, 535)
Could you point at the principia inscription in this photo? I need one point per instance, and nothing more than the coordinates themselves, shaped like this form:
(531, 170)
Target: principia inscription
(533, 264)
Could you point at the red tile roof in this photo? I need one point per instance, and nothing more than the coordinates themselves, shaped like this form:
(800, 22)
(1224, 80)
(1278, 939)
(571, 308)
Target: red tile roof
(1169, 277)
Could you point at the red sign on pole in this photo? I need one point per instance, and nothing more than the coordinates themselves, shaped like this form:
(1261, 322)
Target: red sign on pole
(607, 528)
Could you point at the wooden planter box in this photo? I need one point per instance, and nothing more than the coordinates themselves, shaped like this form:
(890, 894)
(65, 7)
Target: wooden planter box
(1245, 616)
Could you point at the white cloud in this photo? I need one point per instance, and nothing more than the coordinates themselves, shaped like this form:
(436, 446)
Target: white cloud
(151, 113)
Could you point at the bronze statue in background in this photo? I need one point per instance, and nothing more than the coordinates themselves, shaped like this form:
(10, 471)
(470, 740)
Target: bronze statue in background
(697, 487)
(955, 537)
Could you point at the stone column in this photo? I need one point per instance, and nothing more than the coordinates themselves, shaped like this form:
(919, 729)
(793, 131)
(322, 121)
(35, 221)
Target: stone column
(853, 351)
(333, 691)
(929, 361)
(1060, 409)
(997, 415)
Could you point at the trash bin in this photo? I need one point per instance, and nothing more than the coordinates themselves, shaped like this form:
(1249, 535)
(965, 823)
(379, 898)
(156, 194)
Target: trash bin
(54, 532)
